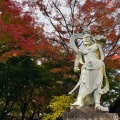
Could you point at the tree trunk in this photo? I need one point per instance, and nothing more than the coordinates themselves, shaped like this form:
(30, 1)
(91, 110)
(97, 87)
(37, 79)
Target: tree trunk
(23, 112)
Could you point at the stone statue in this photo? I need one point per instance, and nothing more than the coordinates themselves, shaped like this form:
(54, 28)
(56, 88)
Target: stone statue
(93, 74)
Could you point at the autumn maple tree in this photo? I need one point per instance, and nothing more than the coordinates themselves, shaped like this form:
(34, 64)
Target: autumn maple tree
(18, 36)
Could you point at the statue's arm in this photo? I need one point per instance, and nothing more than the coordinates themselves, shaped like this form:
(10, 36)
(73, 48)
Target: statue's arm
(101, 51)
(72, 41)
(78, 60)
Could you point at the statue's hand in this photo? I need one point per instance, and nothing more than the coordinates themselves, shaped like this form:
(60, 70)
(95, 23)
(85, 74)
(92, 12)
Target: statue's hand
(76, 69)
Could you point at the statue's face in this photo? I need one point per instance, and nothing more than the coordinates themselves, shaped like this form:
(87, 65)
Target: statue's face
(87, 40)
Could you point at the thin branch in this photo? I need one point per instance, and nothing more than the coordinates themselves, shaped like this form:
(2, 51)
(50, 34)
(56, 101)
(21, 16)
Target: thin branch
(58, 21)
(63, 18)
(48, 17)
(57, 41)
(64, 45)
(112, 49)
(72, 13)
(10, 107)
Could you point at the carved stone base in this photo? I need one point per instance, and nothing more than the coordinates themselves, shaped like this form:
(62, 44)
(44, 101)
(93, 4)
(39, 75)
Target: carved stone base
(88, 113)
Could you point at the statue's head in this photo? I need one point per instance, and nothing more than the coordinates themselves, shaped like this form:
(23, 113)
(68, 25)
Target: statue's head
(87, 39)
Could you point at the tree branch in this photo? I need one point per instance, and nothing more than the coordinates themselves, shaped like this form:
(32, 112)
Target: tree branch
(63, 18)
(64, 45)
(72, 13)
(112, 49)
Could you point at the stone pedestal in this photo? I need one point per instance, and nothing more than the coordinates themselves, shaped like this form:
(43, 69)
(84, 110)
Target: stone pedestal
(88, 113)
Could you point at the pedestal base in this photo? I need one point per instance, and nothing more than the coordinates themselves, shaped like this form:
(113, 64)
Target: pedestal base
(88, 113)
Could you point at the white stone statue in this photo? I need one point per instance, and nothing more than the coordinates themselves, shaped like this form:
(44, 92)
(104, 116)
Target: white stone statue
(93, 73)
